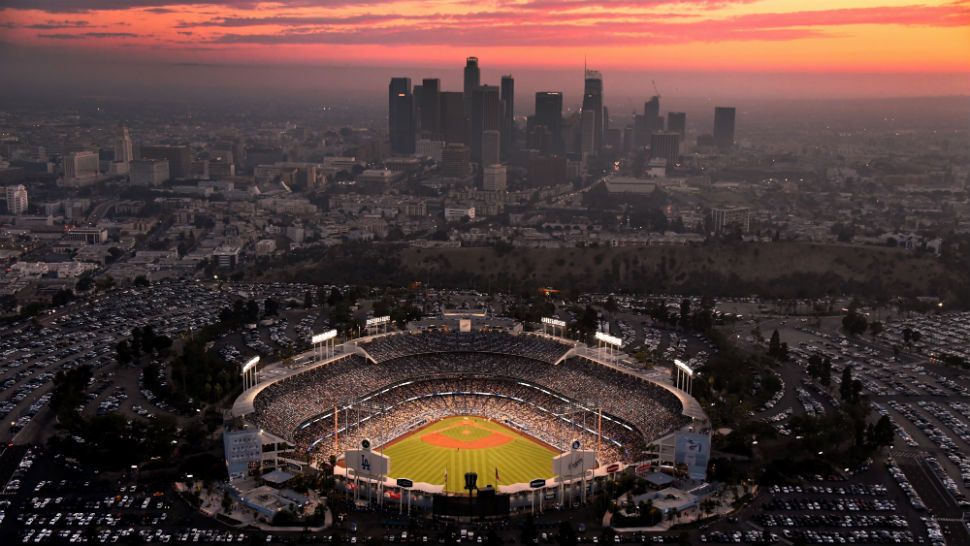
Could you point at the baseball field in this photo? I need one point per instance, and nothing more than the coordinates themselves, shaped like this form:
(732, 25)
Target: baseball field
(447, 449)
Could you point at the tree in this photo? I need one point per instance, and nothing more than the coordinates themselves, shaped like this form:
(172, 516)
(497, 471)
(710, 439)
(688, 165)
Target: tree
(684, 311)
(875, 328)
(815, 366)
(826, 377)
(123, 352)
(854, 323)
(855, 393)
(610, 306)
(68, 392)
(62, 297)
(84, 284)
(252, 311)
(114, 253)
(774, 346)
(845, 388)
(335, 297)
(883, 434)
(270, 307)
(585, 326)
(308, 300)
(141, 281)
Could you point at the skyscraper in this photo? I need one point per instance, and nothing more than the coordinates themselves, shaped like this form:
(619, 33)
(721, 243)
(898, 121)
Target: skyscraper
(16, 197)
(473, 77)
(651, 113)
(179, 158)
(454, 126)
(593, 102)
(677, 123)
(401, 116)
(486, 115)
(587, 136)
(80, 166)
(149, 172)
(494, 178)
(122, 146)
(627, 138)
(724, 127)
(430, 106)
(549, 115)
(454, 161)
(508, 114)
(491, 147)
(613, 138)
(666, 145)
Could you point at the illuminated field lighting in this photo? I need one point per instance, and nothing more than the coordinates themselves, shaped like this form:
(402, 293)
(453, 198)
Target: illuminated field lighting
(320, 338)
(378, 320)
(250, 364)
(680, 364)
(608, 339)
(554, 322)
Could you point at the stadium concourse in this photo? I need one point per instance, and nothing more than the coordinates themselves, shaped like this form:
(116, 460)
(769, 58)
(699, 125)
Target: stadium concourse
(384, 387)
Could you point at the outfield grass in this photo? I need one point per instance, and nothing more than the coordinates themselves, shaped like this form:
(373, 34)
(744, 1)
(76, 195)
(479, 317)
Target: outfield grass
(456, 445)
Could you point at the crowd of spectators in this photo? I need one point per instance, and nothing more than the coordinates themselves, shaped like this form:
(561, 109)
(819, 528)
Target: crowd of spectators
(417, 376)
(387, 348)
(412, 404)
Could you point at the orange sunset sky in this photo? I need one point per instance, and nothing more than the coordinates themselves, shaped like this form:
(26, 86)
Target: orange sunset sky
(886, 47)
(817, 35)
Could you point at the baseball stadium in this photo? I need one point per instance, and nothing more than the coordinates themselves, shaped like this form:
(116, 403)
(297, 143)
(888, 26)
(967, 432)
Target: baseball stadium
(429, 405)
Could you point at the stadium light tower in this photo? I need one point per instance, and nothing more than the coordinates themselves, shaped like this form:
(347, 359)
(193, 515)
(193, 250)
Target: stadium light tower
(377, 324)
(554, 324)
(611, 343)
(323, 344)
(250, 373)
(684, 376)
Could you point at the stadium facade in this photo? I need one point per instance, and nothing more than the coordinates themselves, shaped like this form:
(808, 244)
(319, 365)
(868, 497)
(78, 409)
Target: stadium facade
(322, 407)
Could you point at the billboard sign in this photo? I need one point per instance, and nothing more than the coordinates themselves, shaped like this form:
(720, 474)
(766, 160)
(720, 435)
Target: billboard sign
(573, 464)
(554, 322)
(693, 450)
(366, 463)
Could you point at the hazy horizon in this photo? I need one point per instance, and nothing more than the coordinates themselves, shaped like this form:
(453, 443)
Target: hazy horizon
(50, 72)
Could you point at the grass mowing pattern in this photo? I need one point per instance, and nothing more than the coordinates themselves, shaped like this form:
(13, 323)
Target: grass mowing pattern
(469, 444)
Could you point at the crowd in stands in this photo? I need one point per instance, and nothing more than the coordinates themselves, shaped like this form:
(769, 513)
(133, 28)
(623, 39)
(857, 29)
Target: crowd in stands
(387, 348)
(395, 411)
(299, 408)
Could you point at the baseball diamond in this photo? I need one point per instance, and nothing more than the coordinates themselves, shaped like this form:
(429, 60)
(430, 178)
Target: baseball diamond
(446, 449)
